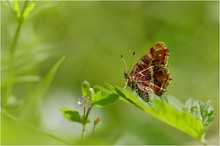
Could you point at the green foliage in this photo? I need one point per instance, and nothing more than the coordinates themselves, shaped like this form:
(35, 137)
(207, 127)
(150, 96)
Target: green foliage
(28, 9)
(10, 71)
(86, 90)
(16, 8)
(37, 93)
(19, 64)
(43, 85)
(203, 111)
(103, 97)
(17, 69)
(73, 116)
(100, 98)
(129, 26)
(194, 117)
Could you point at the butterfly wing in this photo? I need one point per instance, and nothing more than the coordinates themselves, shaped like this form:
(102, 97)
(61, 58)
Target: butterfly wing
(151, 74)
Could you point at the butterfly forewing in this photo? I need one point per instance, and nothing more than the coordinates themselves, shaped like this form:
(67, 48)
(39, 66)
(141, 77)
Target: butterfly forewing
(150, 74)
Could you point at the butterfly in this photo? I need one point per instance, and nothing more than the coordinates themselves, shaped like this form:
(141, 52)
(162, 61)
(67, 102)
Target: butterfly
(150, 74)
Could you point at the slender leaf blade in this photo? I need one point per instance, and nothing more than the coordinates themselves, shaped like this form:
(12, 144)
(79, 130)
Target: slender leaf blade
(41, 89)
(16, 8)
(47, 79)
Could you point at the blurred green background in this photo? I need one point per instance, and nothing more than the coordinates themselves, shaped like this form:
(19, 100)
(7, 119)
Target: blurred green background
(92, 36)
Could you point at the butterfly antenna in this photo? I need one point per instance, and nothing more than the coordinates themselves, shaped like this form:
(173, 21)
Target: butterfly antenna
(122, 57)
(131, 61)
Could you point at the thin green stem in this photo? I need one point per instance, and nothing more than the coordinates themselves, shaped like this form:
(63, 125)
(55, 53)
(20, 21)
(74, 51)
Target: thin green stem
(85, 118)
(83, 131)
(84, 111)
(4, 112)
(15, 39)
(83, 124)
(9, 82)
(88, 111)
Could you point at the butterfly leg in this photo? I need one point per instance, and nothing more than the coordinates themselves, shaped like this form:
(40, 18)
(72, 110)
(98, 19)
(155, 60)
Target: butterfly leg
(126, 83)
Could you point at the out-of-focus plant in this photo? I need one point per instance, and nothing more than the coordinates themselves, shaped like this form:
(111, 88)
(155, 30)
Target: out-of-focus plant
(21, 15)
(16, 69)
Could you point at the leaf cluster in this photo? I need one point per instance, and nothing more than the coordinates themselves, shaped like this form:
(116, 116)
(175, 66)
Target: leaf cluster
(193, 117)
(20, 64)
(91, 97)
(97, 96)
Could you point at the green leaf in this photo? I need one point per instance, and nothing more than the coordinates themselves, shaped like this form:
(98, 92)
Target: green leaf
(86, 90)
(203, 111)
(71, 115)
(193, 118)
(102, 98)
(99, 88)
(110, 87)
(28, 9)
(207, 113)
(16, 8)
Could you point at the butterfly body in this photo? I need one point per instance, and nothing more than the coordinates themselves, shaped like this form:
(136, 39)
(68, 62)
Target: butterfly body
(150, 74)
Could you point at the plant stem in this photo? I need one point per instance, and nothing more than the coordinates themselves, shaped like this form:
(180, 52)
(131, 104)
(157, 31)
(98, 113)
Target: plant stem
(84, 123)
(11, 63)
(83, 131)
(85, 117)
(9, 84)
(88, 111)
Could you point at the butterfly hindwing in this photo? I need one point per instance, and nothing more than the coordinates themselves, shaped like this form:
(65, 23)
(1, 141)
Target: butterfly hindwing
(151, 74)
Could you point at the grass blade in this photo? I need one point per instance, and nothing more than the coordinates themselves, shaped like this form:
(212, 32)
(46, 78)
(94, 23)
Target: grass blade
(40, 89)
